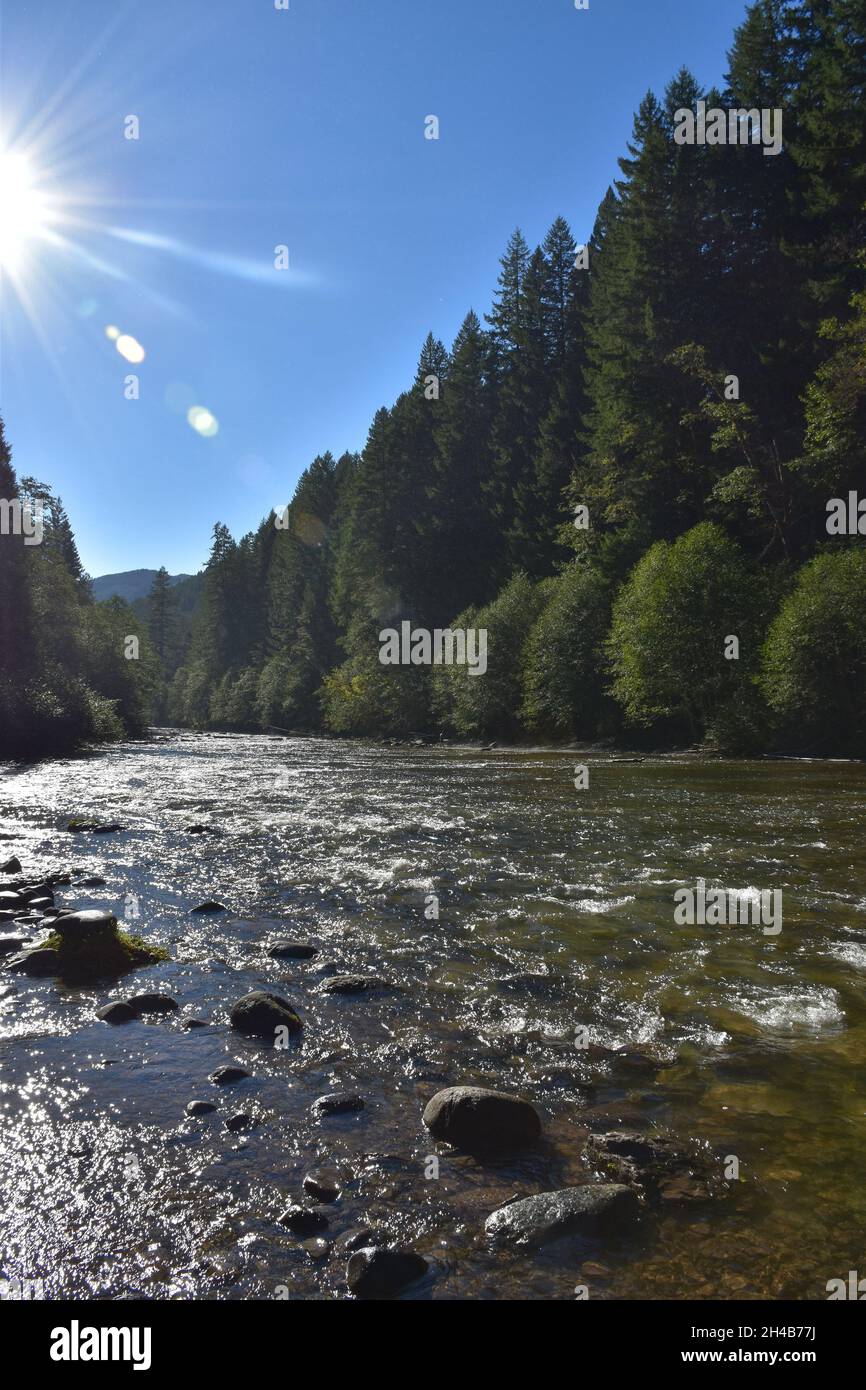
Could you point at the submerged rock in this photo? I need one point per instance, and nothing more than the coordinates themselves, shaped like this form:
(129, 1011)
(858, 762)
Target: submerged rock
(359, 1239)
(303, 1221)
(572, 1210)
(80, 825)
(352, 984)
(292, 950)
(324, 1184)
(200, 1107)
(654, 1164)
(377, 1272)
(261, 1012)
(240, 1122)
(340, 1103)
(210, 905)
(479, 1120)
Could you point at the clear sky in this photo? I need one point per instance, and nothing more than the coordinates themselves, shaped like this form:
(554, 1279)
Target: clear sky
(261, 128)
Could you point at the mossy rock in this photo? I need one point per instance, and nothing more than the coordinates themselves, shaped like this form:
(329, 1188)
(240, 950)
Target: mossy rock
(98, 956)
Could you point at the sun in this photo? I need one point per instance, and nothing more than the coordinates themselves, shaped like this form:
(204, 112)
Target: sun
(24, 213)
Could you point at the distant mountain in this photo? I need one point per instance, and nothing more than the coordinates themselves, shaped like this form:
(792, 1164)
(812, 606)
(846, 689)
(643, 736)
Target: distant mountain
(130, 585)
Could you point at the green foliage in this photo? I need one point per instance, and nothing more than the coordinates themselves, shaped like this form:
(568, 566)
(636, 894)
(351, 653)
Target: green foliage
(671, 622)
(487, 705)
(563, 679)
(813, 670)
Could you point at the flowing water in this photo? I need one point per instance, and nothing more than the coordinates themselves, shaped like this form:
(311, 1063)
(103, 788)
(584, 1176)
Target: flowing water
(556, 915)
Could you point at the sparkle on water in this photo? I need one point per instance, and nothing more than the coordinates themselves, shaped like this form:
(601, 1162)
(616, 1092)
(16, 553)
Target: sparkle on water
(556, 911)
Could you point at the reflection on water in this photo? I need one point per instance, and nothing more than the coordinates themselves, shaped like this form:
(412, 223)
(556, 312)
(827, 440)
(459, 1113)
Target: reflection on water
(555, 915)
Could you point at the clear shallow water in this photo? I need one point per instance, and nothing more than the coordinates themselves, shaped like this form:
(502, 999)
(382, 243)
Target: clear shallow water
(556, 912)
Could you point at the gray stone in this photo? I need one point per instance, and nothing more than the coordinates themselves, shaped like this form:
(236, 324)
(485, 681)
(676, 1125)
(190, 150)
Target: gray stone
(223, 1076)
(376, 1272)
(352, 984)
(340, 1103)
(585, 1210)
(261, 1012)
(292, 950)
(303, 1221)
(152, 1004)
(479, 1120)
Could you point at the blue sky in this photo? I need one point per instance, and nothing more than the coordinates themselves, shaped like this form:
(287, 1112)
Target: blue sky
(261, 128)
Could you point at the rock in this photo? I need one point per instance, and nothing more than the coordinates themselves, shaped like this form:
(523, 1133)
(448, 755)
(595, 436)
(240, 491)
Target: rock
(303, 1221)
(352, 984)
(479, 1120)
(116, 1012)
(198, 829)
(193, 1023)
(239, 1122)
(152, 1004)
(359, 1239)
(376, 1272)
(41, 961)
(78, 926)
(224, 1075)
(12, 866)
(317, 1249)
(93, 882)
(340, 1103)
(40, 904)
(7, 914)
(259, 1013)
(210, 905)
(292, 950)
(584, 1210)
(12, 943)
(11, 900)
(80, 825)
(324, 1184)
(683, 1188)
(200, 1107)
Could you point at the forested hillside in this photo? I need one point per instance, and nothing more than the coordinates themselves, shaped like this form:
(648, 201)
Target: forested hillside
(607, 388)
(623, 465)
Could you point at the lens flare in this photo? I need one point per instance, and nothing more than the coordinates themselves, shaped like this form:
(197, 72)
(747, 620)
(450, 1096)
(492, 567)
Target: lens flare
(202, 421)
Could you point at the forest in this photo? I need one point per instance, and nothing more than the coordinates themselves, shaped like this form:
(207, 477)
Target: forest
(639, 471)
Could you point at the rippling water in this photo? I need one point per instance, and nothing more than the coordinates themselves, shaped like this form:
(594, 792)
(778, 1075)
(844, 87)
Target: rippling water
(555, 914)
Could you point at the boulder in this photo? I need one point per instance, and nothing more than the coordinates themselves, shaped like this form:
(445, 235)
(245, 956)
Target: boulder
(585, 1210)
(88, 925)
(41, 961)
(209, 905)
(116, 1012)
(223, 1076)
(200, 1107)
(377, 1272)
(12, 866)
(152, 1004)
(261, 1012)
(479, 1120)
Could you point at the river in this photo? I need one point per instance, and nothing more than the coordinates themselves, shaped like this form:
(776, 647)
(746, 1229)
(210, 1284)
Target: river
(555, 921)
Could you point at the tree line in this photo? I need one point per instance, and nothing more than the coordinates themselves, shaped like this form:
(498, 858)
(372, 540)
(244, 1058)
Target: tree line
(622, 472)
